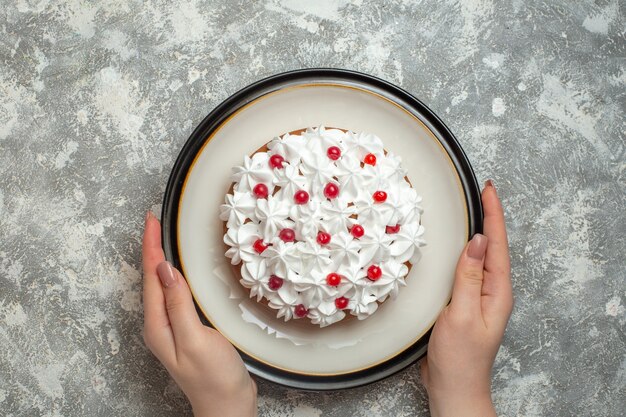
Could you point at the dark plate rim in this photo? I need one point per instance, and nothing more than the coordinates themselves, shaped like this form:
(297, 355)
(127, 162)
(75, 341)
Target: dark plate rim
(267, 85)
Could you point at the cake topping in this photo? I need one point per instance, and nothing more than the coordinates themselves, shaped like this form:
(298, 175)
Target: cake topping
(301, 197)
(344, 250)
(301, 310)
(357, 231)
(337, 215)
(260, 190)
(331, 190)
(323, 238)
(370, 159)
(333, 279)
(272, 215)
(275, 282)
(259, 246)
(374, 272)
(240, 241)
(253, 171)
(392, 229)
(350, 175)
(276, 161)
(407, 242)
(341, 302)
(379, 196)
(283, 257)
(323, 224)
(375, 246)
(237, 208)
(287, 235)
(334, 153)
(289, 180)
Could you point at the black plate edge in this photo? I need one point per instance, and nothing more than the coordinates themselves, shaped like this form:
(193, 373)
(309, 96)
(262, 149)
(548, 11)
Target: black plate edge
(313, 75)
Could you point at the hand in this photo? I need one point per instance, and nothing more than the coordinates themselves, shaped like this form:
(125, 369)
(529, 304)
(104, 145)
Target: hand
(202, 362)
(468, 332)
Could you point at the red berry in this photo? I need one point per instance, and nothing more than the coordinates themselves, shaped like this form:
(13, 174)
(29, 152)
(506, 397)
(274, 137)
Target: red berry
(260, 190)
(287, 235)
(301, 310)
(276, 161)
(341, 303)
(357, 231)
(301, 197)
(259, 246)
(370, 159)
(333, 279)
(392, 229)
(374, 272)
(379, 196)
(333, 153)
(275, 282)
(323, 238)
(331, 190)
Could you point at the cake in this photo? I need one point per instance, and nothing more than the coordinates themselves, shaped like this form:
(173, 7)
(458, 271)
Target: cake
(322, 224)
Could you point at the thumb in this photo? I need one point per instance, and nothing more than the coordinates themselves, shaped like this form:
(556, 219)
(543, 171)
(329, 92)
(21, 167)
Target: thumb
(178, 304)
(469, 276)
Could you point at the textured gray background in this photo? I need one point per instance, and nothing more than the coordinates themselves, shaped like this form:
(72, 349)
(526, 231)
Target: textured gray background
(97, 98)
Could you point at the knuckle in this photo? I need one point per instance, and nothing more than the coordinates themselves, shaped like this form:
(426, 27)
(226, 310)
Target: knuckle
(173, 304)
(196, 347)
(473, 276)
(193, 348)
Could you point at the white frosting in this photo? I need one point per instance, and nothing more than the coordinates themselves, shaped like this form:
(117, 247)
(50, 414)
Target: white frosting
(304, 264)
(272, 215)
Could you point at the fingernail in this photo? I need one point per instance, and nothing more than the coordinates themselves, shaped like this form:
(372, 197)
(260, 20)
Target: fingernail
(489, 183)
(165, 270)
(477, 247)
(149, 215)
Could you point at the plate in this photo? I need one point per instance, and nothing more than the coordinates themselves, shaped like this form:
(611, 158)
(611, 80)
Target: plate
(352, 352)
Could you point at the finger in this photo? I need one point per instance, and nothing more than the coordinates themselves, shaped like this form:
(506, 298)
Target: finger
(469, 277)
(181, 311)
(497, 291)
(497, 259)
(157, 332)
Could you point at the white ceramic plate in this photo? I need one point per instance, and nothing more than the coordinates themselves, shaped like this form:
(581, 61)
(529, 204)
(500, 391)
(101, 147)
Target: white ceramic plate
(295, 353)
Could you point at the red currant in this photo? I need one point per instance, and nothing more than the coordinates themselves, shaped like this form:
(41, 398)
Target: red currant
(301, 197)
(392, 229)
(287, 235)
(333, 279)
(275, 282)
(259, 246)
(370, 159)
(276, 161)
(379, 196)
(341, 303)
(300, 310)
(331, 190)
(333, 153)
(323, 238)
(260, 190)
(357, 231)
(374, 272)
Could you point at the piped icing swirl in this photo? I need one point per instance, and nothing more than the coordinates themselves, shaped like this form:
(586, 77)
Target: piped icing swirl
(324, 223)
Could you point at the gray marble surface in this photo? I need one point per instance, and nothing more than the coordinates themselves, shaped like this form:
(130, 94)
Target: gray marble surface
(97, 98)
